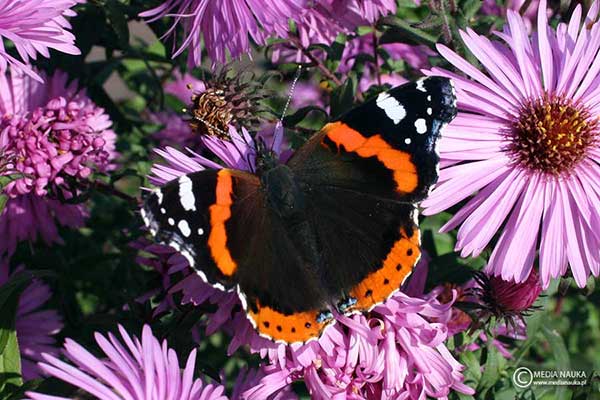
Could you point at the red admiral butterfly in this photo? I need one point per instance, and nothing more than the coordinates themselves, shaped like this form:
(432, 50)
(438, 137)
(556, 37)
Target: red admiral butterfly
(335, 228)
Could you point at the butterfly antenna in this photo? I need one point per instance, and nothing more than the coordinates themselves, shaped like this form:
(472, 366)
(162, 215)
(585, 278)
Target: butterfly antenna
(279, 132)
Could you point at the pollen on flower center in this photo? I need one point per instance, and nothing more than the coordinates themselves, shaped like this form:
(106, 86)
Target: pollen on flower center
(552, 134)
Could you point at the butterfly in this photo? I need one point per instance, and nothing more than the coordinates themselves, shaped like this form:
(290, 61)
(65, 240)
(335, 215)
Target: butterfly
(332, 230)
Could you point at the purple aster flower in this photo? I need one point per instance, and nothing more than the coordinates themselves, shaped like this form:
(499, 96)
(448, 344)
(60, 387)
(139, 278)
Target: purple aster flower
(35, 27)
(224, 26)
(132, 370)
(35, 328)
(323, 20)
(30, 217)
(524, 150)
(51, 135)
(510, 297)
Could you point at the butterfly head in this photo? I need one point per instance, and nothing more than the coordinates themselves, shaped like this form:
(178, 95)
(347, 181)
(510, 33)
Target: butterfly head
(266, 157)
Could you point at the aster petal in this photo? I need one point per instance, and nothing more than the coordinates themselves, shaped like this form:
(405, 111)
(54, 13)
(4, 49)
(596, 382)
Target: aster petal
(574, 252)
(468, 178)
(524, 224)
(521, 47)
(473, 96)
(75, 377)
(544, 48)
(483, 223)
(553, 258)
(499, 67)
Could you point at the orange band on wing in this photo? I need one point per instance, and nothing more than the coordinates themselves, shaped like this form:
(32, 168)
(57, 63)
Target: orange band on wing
(298, 327)
(396, 267)
(405, 172)
(219, 214)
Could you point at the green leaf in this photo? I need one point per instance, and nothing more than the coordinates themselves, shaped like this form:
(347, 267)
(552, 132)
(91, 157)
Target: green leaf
(6, 179)
(470, 8)
(10, 362)
(402, 30)
(561, 357)
(116, 16)
(12, 392)
(10, 358)
(342, 98)
(469, 360)
(491, 371)
(559, 350)
(3, 201)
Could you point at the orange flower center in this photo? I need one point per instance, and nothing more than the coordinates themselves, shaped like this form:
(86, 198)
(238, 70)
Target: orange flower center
(552, 135)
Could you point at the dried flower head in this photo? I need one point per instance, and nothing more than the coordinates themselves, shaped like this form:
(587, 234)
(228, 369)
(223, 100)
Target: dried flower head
(228, 98)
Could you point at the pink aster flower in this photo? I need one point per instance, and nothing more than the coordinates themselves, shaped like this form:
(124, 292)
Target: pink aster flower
(387, 353)
(52, 136)
(224, 26)
(131, 370)
(35, 27)
(35, 327)
(395, 351)
(524, 149)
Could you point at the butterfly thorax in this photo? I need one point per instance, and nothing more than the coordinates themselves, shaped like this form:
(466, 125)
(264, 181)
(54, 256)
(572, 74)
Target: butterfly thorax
(283, 193)
(266, 158)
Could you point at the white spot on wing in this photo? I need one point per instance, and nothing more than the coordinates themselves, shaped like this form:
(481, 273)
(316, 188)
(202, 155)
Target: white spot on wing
(429, 98)
(159, 195)
(200, 231)
(393, 109)
(407, 140)
(429, 110)
(184, 227)
(186, 195)
(421, 125)
(420, 85)
(163, 211)
(171, 221)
